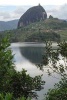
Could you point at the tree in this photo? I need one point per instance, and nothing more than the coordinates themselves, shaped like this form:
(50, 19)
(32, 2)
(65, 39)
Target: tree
(17, 83)
(23, 84)
(60, 89)
(6, 63)
(9, 96)
(51, 57)
(59, 92)
(50, 17)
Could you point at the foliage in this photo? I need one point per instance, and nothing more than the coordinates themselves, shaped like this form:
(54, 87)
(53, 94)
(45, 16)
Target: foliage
(52, 57)
(6, 64)
(17, 83)
(63, 35)
(50, 17)
(63, 48)
(45, 27)
(59, 92)
(23, 84)
(44, 36)
(60, 89)
(9, 96)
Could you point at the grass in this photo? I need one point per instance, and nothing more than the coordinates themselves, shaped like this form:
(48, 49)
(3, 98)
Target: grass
(63, 34)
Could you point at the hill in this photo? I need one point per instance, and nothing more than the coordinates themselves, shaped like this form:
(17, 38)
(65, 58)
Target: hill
(8, 25)
(49, 29)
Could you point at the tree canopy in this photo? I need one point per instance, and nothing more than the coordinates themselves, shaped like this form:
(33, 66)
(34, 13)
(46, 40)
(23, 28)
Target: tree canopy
(17, 83)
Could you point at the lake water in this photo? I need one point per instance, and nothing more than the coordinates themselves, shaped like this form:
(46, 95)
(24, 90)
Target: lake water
(28, 56)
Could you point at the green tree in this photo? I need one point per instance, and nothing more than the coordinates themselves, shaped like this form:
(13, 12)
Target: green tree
(17, 83)
(51, 57)
(23, 84)
(9, 96)
(50, 17)
(6, 63)
(60, 89)
(59, 92)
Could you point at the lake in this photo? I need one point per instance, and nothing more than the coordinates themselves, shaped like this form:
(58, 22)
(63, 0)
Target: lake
(28, 56)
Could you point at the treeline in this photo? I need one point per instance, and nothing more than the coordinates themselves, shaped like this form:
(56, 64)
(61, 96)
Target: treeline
(44, 36)
(27, 35)
(48, 29)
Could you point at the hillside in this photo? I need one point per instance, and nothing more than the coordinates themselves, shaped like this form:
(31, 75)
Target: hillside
(8, 25)
(49, 29)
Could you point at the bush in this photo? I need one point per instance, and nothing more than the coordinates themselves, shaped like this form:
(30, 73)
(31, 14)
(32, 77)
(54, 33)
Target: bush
(59, 92)
(17, 83)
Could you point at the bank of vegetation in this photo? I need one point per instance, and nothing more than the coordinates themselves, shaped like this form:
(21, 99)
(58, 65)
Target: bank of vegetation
(50, 29)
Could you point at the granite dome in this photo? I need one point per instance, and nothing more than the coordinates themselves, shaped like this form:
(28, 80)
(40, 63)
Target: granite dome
(33, 14)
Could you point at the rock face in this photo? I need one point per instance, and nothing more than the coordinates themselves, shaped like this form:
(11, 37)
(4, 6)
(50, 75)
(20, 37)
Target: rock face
(33, 14)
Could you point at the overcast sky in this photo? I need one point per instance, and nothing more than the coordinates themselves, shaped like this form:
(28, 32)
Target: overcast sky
(13, 9)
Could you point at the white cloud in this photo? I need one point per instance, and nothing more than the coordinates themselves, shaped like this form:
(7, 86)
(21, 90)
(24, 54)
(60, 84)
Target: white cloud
(14, 14)
(59, 11)
(4, 15)
(54, 10)
(20, 10)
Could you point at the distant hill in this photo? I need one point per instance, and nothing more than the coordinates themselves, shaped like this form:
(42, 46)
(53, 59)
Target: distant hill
(8, 25)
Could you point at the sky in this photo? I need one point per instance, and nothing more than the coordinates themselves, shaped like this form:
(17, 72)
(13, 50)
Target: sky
(13, 9)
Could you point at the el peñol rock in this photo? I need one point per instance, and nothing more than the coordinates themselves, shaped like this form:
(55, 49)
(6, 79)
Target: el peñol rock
(33, 14)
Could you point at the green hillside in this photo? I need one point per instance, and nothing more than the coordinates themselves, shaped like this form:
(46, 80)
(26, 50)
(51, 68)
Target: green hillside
(49, 29)
(63, 34)
(8, 25)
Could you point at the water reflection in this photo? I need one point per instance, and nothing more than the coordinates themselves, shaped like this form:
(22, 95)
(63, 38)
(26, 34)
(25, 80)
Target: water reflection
(33, 54)
(22, 62)
(27, 57)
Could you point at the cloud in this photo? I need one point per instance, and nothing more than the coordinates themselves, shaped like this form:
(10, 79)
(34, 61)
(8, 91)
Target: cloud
(63, 12)
(11, 13)
(20, 11)
(58, 11)
(4, 15)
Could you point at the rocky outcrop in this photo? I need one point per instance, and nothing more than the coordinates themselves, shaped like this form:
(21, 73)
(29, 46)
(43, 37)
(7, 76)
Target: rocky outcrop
(33, 14)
